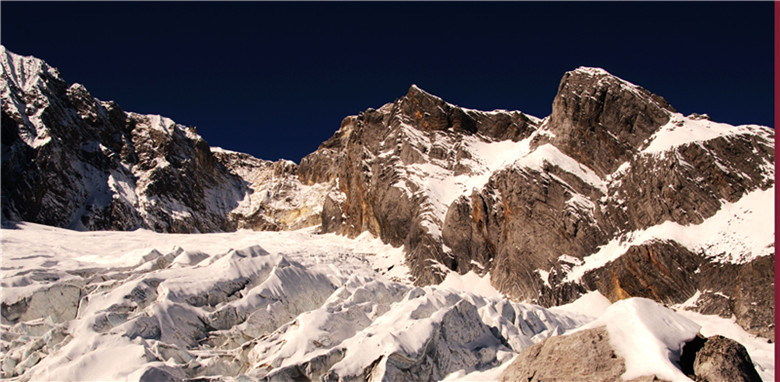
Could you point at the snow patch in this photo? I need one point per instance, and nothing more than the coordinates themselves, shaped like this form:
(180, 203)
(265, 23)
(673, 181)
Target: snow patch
(648, 336)
(681, 130)
(471, 282)
(738, 233)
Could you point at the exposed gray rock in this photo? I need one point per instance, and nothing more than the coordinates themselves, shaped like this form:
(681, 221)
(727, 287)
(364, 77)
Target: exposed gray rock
(719, 358)
(599, 119)
(583, 356)
(746, 290)
(661, 271)
(277, 198)
(368, 157)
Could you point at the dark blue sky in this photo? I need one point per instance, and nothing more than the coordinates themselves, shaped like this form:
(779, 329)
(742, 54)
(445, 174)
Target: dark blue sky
(276, 79)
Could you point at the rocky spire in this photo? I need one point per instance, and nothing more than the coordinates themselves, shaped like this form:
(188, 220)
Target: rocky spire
(600, 120)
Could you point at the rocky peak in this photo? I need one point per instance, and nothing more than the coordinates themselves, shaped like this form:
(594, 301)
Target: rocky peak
(430, 113)
(601, 120)
(72, 160)
(24, 72)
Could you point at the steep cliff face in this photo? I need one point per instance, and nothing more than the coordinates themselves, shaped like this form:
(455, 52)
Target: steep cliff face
(617, 163)
(398, 168)
(585, 199)
(600, 120)
(74, 161)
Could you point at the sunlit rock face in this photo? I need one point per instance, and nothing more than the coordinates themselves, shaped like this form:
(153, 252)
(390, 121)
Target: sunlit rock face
(531, 200)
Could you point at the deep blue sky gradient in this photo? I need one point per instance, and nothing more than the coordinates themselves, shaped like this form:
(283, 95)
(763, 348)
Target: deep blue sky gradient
(276, 79)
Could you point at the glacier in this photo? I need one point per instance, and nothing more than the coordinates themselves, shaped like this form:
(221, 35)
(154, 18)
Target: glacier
(294, 305)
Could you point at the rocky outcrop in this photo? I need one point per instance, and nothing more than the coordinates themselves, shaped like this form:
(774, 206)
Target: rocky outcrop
(745, 291)
(599, 119)
(275, 198)
(532, 223)
(661, 271)
(583, 356)
(587, 355)
(717, 358)
(521, 221)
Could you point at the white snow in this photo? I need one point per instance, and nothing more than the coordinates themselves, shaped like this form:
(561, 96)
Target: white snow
(592, 71)
(549, 154)
(217, 149)
(681, 130)
(648, 336)
(591, 304)
(506, 359)
(303, 295)
(738, 233)
(26, 73)
(471, 283)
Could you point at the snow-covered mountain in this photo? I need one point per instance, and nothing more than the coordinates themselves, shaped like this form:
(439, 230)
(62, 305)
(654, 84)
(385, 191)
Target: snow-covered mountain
(613, 198)
(71, 160)
(614, 191)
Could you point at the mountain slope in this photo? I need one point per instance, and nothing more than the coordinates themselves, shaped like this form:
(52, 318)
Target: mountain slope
(615, 191)
(71, 160)
(530, 201)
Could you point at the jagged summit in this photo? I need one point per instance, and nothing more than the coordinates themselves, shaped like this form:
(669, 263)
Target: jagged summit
(414, 89)
(24, 71)
(74, 161)
(593, 71)
(603, 120)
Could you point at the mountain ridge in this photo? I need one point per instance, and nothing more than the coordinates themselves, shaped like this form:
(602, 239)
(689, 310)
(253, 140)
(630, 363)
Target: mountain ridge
(527, 200)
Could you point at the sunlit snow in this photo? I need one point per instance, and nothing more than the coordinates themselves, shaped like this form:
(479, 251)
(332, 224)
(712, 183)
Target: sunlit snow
(257, 303)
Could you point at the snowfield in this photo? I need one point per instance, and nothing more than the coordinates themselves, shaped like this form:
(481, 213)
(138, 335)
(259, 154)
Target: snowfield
(250, 305)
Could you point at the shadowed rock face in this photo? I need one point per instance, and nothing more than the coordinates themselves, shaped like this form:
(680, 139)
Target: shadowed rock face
(717, 358)
(71, 160)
